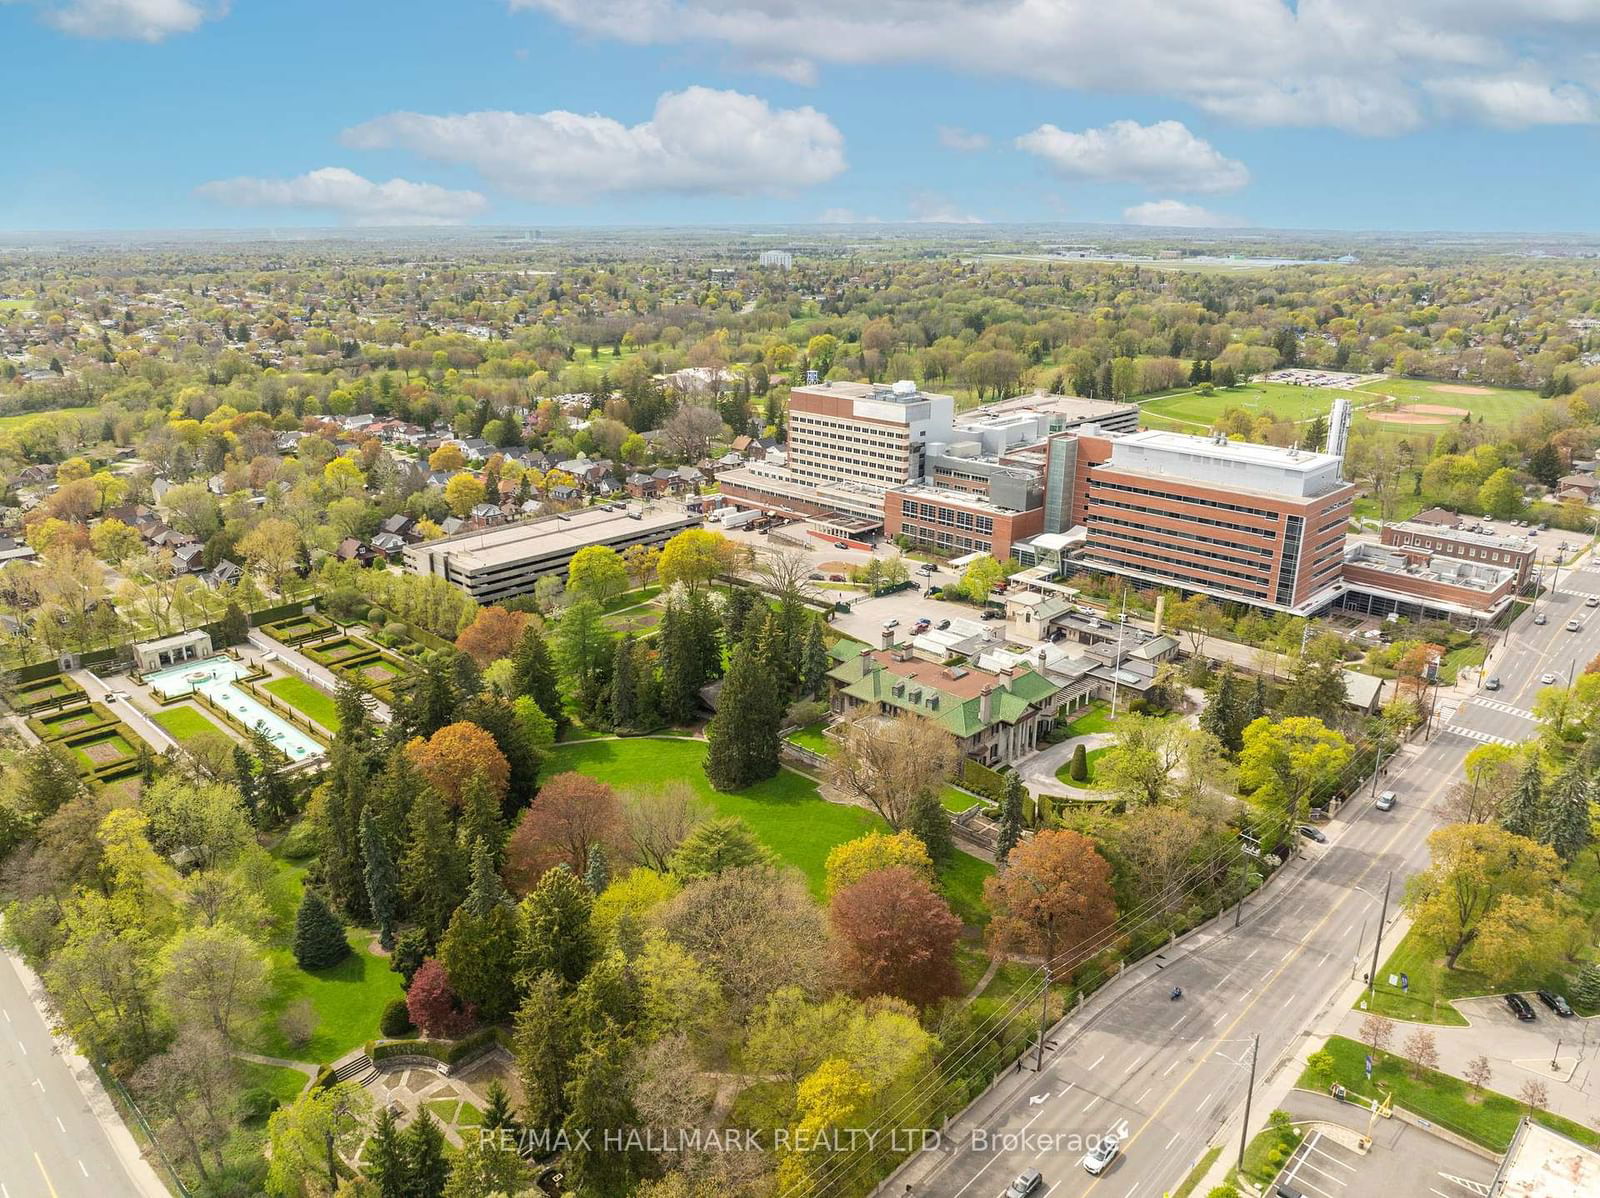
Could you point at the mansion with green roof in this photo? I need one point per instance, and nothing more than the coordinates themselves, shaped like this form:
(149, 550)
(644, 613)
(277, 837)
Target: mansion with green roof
(996, 716)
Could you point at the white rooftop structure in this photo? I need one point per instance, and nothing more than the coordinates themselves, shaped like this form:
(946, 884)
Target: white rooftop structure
(1237, 465)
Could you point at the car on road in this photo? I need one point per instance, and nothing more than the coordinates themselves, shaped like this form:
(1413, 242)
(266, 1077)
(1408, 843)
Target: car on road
(1311, 833)
(1541, 618)
(1592, 601)
(1555, 1002)
(1027, 1182)
(1573, 626)
(1492, 684)
(1547, 679)
(1098, 1159)
(1385, 801)
(1520, 1007)
(989, 613)
(840, 545)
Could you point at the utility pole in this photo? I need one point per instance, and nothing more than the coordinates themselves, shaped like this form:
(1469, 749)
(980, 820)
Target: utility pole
(1377, 940)
(1044, 998)
(1360, 940)
(1377, 766)
(1244, 1129)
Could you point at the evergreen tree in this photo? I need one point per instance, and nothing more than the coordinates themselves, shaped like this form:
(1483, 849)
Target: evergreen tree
(597, 875)
(543, 1045)
(624, 686)
(1522, 812)
(384, 1159)
(351, 703)
(273, 789)
(1010, 818)
(557, 936)
(480, 822)
(1078, 767)
(244, 770)
(319, 939)
(499, 719)
(427, 1170)
(429, 703)
(486, 891)
(1221, 716)
(479, 949)
(1545, 464)
(497, 1112)
(1564, 823)
(535, 673)
(736, 613)
(1316, 434)
(234, 627)
(433, 873)
(689, 646)
(383, 883)
(1254, 704)
(718, 845)
(600, 1102)
(743, 737)
(1586, 985)
(814, 660)
(929, 822)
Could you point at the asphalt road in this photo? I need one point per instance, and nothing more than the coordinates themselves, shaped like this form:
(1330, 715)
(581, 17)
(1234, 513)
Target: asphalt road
(52, 1143)
(1168, 1075)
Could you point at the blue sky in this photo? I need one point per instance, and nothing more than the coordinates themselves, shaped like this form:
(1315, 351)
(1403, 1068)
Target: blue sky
(1357, 114)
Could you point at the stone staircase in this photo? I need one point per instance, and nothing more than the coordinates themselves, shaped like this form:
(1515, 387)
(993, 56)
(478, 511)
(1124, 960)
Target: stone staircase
(355, 1066)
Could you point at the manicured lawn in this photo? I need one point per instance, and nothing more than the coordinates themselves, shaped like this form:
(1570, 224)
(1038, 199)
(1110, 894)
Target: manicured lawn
(102, 750)
(630, 599)
(1202, 1167)
(307, 699)
(811, 737)
(21, 418)
(1456, 659)
(283, 1084)
(1283, 400)
(955, 800)
(1497, 405)
(185, 723)
(1490, 1119)
(1267, 1153)
(456, 1112)
(793, 820)
(1094, 718)
(1089, 758)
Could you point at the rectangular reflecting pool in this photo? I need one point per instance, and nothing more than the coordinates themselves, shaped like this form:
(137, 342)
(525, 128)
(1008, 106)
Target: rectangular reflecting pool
(214, 678)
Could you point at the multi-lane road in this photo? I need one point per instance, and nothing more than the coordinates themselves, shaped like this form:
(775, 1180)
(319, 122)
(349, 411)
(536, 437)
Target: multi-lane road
(53, 1142)
(1168, 1075)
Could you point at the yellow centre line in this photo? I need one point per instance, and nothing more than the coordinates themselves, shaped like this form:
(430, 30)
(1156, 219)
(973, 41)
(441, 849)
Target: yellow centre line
(48, 1185)
(1267, 985)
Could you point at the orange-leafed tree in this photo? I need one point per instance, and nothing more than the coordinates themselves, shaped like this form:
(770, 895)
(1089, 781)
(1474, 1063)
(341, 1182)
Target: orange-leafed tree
(493, 634)
(1054, 897)
(896, 936)
(456, 753)
(571, 814)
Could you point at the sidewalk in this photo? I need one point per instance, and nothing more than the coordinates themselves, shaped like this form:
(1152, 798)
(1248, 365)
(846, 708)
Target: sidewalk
(124, 709)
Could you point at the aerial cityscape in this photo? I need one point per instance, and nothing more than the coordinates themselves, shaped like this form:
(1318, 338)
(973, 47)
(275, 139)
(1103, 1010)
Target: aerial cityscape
(677, 599)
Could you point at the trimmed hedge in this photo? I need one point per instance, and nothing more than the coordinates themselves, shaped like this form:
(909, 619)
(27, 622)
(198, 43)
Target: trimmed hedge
(980, 779)
(451, 1052)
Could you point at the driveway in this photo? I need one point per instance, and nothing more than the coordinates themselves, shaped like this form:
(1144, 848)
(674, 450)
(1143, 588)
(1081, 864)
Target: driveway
(1404, 1159)
(1039, 771)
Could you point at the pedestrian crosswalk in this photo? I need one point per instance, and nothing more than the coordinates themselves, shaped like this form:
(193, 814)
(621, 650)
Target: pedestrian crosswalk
(1496, 705)
(1486, 738)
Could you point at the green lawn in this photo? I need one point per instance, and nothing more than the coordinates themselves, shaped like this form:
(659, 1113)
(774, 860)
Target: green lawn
(283, 1084)
(1490, 1119)
(185, 723)
(1094, 718)
(1497, 405)
(1456, 659)
(1267, 1153)
(307, 699)
(787, 813)
(455, 1112)
(114, 743)
(1193, 412)
(1089, 759)
(955, 800)
(811, 737)
(20, 418)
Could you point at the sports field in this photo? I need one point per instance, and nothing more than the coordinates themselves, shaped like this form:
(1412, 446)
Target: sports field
(20, 418)
(1419, 404)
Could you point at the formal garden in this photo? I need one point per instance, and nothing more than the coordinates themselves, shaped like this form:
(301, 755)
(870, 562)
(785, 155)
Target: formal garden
(100, 745)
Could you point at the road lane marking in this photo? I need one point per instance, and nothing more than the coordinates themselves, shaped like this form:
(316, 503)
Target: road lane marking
(1171, 1067)
(1063, 1093)
(1143, 1096)
(1092, 1101)
(49, 1185)
(22, 1046)
(1096, 1065)
(1181, 1018)
(84, 1171)
(1254, 951)
(1174, 1140)
(61, 1125)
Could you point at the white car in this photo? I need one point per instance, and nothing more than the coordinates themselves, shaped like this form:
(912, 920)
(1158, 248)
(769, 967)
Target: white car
(1547, 679)
(1098, 1159)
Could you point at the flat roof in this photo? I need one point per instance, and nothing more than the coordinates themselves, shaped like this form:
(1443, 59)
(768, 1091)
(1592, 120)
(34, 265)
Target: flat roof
(1073, 407)
(1487, 540)
(1544, 1164)
(901, 392)
(509, 543)
(1247, 452)
(955, 497)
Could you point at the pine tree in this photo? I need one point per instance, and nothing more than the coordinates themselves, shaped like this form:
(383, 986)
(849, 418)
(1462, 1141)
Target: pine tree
(1254, 704)
(273, 790)
(814, 660)
(350, 702)
(543, 1045)
(427, 1170)
(234, 627)
(689, 644)
(557, 935)
(432, 872)
(1564, 823)
(736, 613)
(624, 686)
(600, 1103)
(1010, 818)
(535, 673)
(383, 883)
(385, 1157)
(486, 891)
(1221, 714)
(930, 823)
(319, 939)
(597, 876)
(743, 737)
(1522, 812)
(244, 770)
(1586, 985)
(480, 821)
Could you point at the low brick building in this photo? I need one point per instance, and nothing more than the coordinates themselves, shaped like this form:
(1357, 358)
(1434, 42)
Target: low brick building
(1418, 542)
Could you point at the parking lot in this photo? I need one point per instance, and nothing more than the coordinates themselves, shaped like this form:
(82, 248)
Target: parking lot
(1403, 1159)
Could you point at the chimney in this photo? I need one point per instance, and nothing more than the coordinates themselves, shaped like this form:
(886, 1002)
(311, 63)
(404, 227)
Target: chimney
(1161, 611)
(888, 638)
(986, 704)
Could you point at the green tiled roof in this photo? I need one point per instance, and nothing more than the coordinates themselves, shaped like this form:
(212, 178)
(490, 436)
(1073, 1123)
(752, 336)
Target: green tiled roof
(867, 680)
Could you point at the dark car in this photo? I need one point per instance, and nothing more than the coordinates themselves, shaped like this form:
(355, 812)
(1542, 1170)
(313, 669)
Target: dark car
(1311, 833)
(1520, 1007)
(1555, 1002)
(942, 625)
(1493, 684)
(1028, 1182)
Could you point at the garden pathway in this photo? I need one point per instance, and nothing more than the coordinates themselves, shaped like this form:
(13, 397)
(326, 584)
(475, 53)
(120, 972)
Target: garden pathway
(123, 709)
(298, 664)
(305, 1067)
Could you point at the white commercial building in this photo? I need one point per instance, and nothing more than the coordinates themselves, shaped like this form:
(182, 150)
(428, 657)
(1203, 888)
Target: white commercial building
(865, 433)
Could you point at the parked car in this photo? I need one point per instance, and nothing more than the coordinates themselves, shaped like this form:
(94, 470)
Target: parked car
(1520, 1007)
(1027, 1182)
(1492, 684)
(891, 623)
(920, 626)
(1555, 1002)
(840, 545)
(942, 625)
(1385, 801)
(1541, 619)
(1098, 1159)
(1311, 833)
(989, 613)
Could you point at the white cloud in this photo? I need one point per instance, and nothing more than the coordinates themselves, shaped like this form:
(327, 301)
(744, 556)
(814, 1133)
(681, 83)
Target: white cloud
(697, 141)
(131, 20)
(1175, 214)
(846, 216)
(1163, 156)
(930, 208)
(953, 138)
(1514, 102)
(1362, 65)
(351, 197)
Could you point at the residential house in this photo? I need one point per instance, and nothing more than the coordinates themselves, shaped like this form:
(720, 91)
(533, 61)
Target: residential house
(645, 486)
(225, 573)
(353, 550)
